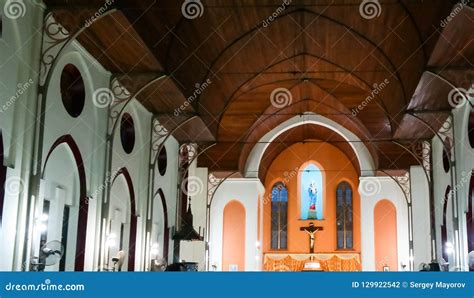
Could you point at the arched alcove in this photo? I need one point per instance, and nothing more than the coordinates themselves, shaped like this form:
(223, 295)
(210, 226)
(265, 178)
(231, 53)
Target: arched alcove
(233, 238)
(64, 203)
(312, 188)
(160, 230)
(385, 236)
(122, 227)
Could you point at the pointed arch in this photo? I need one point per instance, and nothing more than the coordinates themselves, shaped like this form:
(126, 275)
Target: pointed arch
(166, 233)
(133, 216)
(83, 200)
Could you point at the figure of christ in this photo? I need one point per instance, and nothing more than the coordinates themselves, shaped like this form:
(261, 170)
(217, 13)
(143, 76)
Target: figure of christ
(311, 230)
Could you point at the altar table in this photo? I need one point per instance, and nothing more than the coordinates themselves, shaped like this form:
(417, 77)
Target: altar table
(328, 261)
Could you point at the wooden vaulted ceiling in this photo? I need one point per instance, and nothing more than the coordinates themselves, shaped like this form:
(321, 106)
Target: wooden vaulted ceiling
(324, 52)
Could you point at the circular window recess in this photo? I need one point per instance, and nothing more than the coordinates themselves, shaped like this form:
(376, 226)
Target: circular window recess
(73, 92)
(162, 161)
(470, 129)
(446, 154)
(127, 133)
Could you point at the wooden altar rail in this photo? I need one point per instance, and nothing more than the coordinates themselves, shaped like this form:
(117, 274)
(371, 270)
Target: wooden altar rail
(328, 261)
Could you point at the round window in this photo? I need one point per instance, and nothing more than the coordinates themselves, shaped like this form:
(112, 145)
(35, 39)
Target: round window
(73, 92)
(162, 161)
(127, 133)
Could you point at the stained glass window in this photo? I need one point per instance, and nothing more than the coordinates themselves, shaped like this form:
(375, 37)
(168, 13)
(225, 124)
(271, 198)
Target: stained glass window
(344, 218)
(279, 216)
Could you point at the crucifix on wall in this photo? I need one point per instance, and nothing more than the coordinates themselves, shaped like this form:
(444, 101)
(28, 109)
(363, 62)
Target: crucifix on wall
(311, 230)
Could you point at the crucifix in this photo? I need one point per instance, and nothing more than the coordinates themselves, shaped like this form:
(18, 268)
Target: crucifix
(311, 230)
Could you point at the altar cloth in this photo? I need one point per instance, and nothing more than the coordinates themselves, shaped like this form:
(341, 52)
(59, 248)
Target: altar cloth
(328, 261)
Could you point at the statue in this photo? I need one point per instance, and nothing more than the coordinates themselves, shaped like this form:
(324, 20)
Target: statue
(311, 230)
(313, 192)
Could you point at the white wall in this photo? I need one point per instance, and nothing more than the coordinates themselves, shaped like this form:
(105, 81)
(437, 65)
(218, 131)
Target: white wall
(20, 49)
(245, 191)
(463, 161)
(168, 183)
(19, 64)
(384, 188)
(421, 217)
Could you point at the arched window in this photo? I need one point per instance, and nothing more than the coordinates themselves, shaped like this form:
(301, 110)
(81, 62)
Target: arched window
(311, 184)
(279, 216)
(344, 216)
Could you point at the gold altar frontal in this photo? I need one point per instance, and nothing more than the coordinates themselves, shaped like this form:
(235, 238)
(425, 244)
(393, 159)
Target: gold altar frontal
(296, 262)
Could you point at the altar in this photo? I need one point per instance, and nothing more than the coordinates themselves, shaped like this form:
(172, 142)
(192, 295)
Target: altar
(296, 262)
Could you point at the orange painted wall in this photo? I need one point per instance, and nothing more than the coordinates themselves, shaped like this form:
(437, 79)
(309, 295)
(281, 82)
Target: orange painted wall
(287, 167)
(233, 238)
(385, 234)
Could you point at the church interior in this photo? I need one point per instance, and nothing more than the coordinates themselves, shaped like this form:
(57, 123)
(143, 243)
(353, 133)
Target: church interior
(236, 135)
